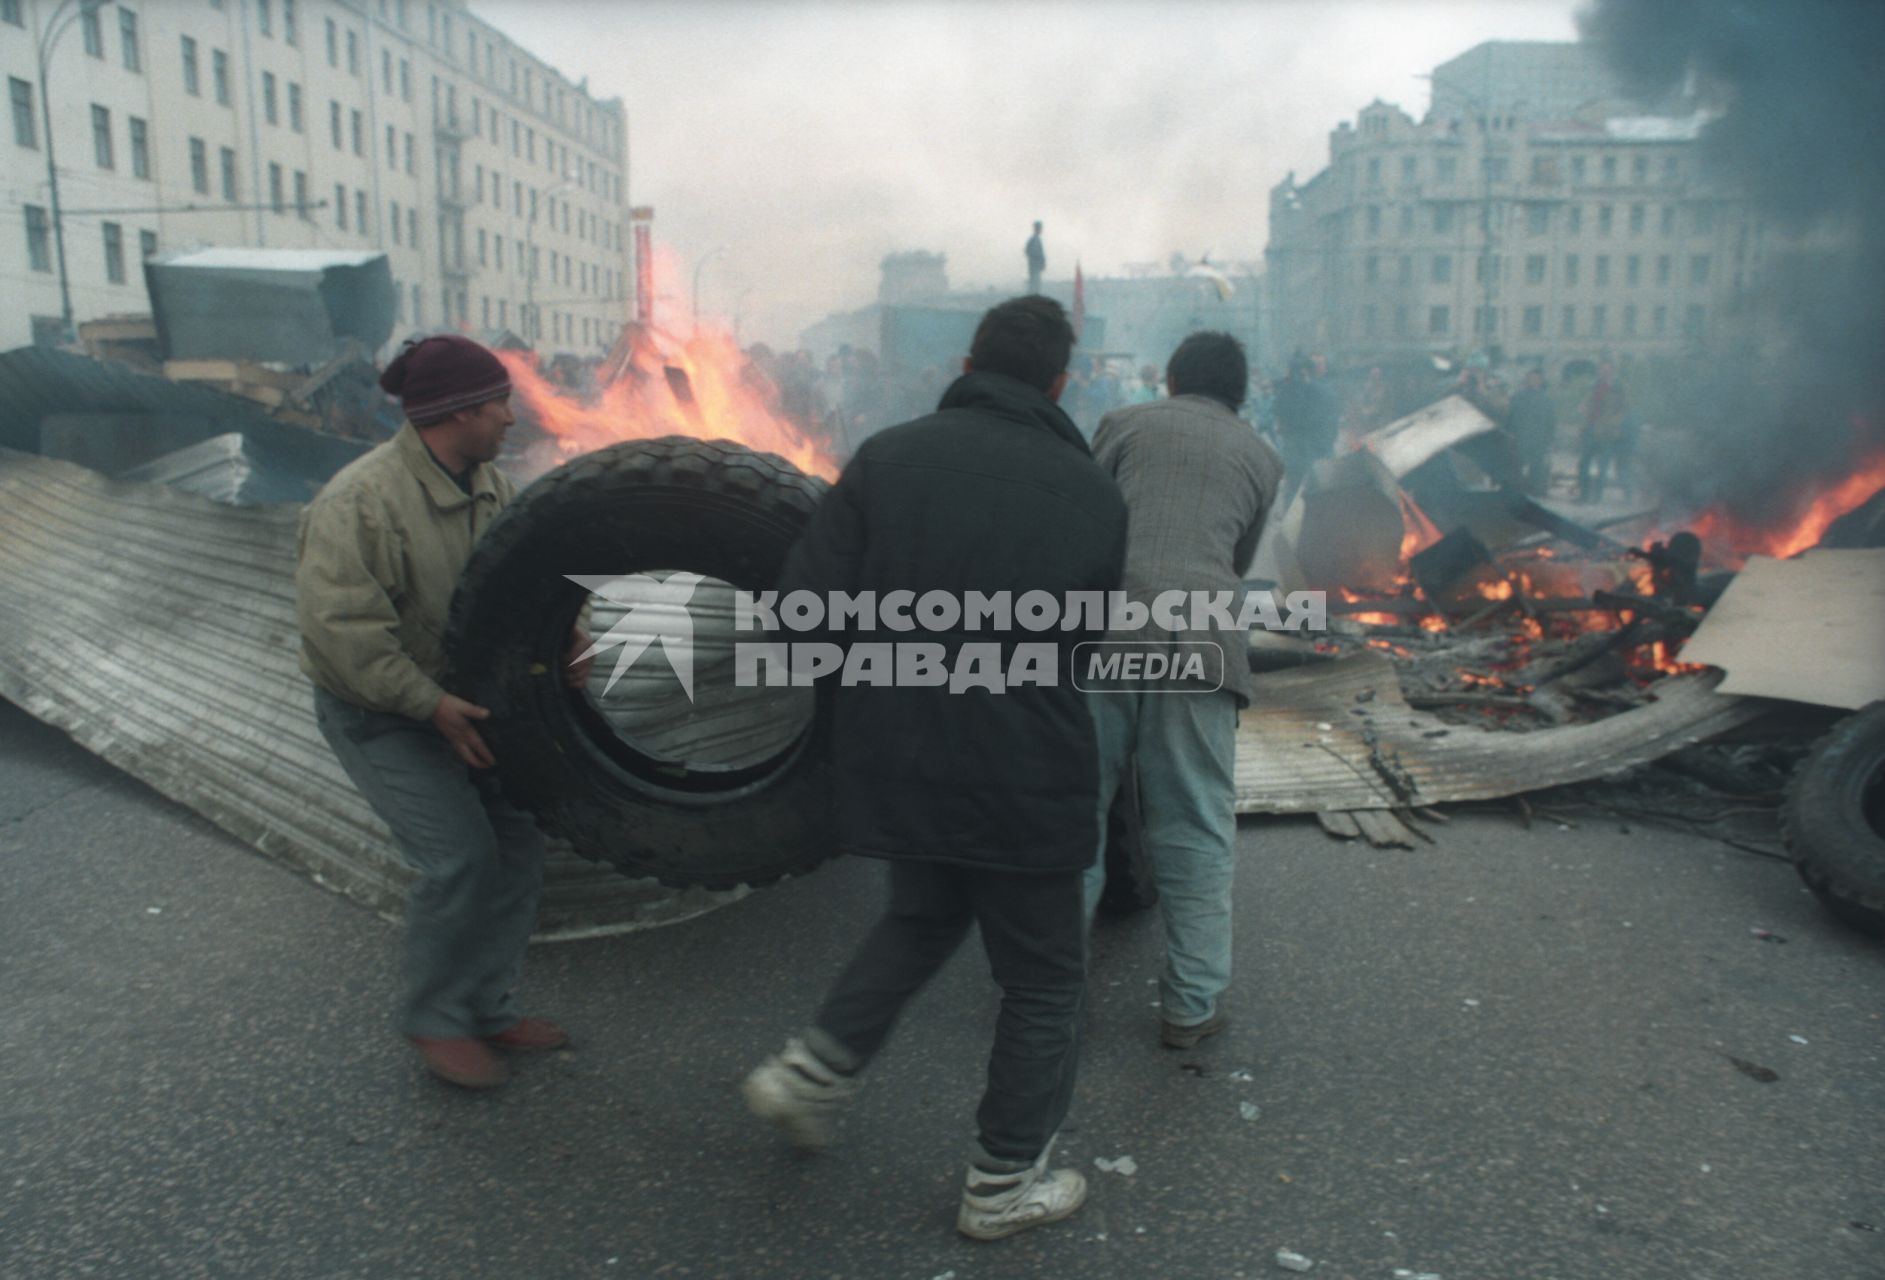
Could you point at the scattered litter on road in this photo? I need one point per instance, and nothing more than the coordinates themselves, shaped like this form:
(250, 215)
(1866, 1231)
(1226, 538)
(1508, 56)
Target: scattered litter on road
(1125, 1166)
(1290, 1260)
(1472, 1004)
(1708, 1168)
(1249, 1110)
(1244, 1076)
(1197, 1069)
(1284, 1177)
(947, 1275)
(1766, 935)
(1798, 1039)
(1402, 1273)
(153, 911)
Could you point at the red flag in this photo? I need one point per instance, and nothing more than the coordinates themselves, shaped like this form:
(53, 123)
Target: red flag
(1079, 301)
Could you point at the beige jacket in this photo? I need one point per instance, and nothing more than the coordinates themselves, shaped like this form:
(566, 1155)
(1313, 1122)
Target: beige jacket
(380, 551)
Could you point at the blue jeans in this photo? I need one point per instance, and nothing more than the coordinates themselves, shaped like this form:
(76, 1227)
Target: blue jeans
(1184, 746)
(479, 861)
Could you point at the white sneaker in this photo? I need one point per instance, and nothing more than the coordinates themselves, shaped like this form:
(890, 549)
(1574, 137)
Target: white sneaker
(798, 1094)
(999, 1204)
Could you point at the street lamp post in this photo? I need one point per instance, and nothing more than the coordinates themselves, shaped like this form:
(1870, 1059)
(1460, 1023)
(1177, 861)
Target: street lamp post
(708, 257)
(60, 22)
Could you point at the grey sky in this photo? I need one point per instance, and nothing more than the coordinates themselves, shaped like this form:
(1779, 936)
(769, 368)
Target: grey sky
(810, 139)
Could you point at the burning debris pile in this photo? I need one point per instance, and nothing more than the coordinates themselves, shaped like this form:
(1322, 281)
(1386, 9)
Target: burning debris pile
(1494, 609)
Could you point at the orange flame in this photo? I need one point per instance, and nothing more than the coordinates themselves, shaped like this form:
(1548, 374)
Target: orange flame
(1418, 532)
(721, 398)
(1732, 541)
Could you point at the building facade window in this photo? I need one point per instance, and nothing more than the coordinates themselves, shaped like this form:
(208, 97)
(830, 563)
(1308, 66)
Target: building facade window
(219, 72)
(38, 238)
(353, 52)
(13, 13)
(1537, 219)
(1597, 321)
(1535, 268)
(25, 122)
(1659, 321)
(127, 39)
(227, 157)
(92, 31)
(360, 210)
(1633, 269)
(101, 137)
(192, 85)
(1664, 268)
(356, 126)
(1574, 219)
(270, 109)
(1629, 320)
(265, 17)
(1439, 321)
(114, 252)
(1698, 269)
(333, 123)
(1533, 322)
(277, 200)
(1567, 325)
(1442, 269)
(301, 194)
(199, 166)
(296, 120)
(1601, 273)
(146, 244)
(1603, 219)
(1637, 213)
(340, 206)
(394, 219)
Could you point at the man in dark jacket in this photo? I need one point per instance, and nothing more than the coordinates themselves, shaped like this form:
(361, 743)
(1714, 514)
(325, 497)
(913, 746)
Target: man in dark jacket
(983, 800)
(1199, 485)
(1534, 424)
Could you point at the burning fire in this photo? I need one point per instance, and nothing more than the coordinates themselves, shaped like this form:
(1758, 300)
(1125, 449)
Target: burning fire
(1729, 541)
(1418, 532)
(702, 387)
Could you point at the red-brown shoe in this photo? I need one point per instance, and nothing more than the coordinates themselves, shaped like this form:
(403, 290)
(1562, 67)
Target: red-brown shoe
(461, 1061)
(530, 1035)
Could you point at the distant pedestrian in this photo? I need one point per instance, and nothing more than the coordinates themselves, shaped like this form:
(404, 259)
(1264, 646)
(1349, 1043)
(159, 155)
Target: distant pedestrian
(380, 551)
(1534, 426)
(1605, 409)
(1037, 259)
(1307, 420)
(984, 803)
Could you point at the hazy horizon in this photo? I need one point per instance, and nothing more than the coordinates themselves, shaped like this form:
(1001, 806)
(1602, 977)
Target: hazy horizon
(804, 141)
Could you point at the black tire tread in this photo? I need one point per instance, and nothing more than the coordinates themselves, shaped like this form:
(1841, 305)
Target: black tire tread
(1837, 852)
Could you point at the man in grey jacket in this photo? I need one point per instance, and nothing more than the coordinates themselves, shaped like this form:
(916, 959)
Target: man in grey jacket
(1198, 485)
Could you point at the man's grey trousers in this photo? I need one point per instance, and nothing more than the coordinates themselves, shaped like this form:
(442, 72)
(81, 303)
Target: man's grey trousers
(479, 861)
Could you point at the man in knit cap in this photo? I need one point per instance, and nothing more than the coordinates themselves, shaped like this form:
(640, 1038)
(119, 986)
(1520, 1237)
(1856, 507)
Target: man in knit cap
(380, 551)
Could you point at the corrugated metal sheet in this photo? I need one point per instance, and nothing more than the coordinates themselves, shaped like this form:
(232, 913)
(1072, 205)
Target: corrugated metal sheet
(157, 628)
(1341, 737)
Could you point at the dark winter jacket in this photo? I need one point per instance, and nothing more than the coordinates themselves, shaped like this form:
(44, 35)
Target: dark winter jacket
(994, 492)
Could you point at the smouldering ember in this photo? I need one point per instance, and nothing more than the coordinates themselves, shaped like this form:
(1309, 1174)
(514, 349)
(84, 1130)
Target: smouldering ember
(702, 386)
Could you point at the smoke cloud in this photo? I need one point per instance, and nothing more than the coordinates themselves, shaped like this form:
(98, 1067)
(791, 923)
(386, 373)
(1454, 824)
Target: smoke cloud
(1801, 92)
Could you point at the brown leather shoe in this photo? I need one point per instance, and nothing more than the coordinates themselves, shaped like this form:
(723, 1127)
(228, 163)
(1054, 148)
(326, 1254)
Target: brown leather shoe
(1175, 1036)
(461, 1061)
(530, 1035)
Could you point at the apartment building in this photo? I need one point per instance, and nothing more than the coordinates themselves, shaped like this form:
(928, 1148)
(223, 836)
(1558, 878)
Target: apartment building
(498, 189)
(1539, 230)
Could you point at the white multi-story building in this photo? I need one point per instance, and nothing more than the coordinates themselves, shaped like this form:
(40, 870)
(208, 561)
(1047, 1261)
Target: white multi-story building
(1515, 217)
(498, 189)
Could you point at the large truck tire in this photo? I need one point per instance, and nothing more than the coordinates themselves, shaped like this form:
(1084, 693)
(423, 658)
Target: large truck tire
(1834, 820)
(704, 506)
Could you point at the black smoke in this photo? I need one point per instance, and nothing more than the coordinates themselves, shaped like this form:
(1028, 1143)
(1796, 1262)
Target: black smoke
(1801, 87)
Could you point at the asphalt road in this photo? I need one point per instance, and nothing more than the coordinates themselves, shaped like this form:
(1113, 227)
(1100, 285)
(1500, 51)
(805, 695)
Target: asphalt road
(1503, 1057)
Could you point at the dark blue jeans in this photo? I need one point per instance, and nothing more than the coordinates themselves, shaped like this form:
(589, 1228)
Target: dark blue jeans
(1034, 931)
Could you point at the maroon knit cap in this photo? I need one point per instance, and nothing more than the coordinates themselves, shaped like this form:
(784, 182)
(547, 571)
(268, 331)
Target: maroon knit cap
(437, 376)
